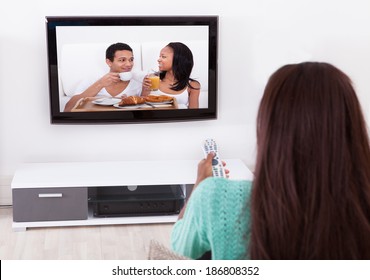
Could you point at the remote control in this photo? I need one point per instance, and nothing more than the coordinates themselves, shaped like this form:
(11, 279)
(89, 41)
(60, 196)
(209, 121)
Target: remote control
(210, 145)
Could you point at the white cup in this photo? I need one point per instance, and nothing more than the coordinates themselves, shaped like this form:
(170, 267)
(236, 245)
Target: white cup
(125, 76)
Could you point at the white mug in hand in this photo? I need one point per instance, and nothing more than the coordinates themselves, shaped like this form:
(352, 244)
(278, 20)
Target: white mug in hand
(125, 76)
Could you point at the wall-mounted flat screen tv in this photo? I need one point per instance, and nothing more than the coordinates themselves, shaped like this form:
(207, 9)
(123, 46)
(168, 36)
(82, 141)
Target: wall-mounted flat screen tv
(132, 69)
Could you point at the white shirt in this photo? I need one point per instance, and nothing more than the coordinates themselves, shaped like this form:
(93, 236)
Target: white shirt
(133, 88)
(182, 98)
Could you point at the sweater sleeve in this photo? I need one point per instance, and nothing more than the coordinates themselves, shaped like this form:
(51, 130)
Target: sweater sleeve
(216, 219)
(188, 237)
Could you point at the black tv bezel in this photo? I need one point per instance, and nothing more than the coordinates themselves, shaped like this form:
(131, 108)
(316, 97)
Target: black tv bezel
(57, 117)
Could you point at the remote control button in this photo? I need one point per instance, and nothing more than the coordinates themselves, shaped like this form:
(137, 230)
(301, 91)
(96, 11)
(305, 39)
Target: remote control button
(214, 161)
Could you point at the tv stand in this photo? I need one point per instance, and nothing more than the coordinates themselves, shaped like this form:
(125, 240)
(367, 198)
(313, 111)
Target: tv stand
(56, 194)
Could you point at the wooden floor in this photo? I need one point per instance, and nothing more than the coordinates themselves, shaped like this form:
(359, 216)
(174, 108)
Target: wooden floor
(118, 242)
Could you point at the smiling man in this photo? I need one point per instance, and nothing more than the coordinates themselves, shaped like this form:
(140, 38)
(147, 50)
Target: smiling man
(120, 58)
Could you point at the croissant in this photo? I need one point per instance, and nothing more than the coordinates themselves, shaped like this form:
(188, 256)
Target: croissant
(158, 98)
(131, 100)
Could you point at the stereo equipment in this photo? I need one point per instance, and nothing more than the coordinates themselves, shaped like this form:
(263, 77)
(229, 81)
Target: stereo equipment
(124, 201)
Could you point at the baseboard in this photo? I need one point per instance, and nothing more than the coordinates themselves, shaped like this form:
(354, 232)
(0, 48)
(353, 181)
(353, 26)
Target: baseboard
(5, 190)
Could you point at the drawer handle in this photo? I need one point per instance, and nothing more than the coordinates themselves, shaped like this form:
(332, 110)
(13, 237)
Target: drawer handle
(42, 195)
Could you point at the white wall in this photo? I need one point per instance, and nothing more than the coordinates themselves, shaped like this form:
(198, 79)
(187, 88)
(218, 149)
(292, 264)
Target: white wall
(256, 37)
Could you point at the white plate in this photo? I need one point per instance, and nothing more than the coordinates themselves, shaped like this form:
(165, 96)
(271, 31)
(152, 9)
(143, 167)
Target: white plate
(107, 101)
(128, 106)
(160, 103)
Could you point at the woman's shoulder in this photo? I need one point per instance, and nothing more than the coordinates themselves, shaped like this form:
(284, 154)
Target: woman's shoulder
(223, 182)
(215, 197)
(214, 186)
(194, 84)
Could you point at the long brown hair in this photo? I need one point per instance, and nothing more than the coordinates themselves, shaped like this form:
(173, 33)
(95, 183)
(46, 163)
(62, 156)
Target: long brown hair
(311, 193)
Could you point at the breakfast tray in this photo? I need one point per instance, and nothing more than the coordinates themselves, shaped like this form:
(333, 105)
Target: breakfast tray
(85, 105)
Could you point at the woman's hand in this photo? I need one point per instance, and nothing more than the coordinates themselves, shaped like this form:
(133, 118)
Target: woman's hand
(205, 168)
(147, 83)
(204, 171)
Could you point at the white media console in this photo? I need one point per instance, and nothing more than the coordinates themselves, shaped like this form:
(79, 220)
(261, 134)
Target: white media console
(56, 194)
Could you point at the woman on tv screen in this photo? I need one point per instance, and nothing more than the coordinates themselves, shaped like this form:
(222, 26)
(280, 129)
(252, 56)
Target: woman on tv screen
(175, 64)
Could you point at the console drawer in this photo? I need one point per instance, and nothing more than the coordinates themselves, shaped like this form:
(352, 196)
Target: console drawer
(49, 204)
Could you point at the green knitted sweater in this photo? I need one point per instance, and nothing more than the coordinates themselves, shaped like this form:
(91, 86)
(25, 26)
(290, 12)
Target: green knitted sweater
(216, 219)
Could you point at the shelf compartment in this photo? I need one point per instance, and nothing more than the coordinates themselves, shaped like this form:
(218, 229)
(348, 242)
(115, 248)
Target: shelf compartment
(123, 201)
(49, 204)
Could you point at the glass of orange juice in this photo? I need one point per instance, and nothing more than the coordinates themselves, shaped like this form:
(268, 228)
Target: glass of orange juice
(154, 78)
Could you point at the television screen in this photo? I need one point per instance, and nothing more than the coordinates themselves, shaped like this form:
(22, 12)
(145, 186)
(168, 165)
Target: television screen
(132, 69)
